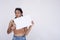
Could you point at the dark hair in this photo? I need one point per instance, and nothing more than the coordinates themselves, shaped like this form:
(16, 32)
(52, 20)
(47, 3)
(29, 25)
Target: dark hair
(19, 10)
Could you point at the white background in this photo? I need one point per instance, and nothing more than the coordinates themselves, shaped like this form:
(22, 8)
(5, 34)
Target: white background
(46, 15)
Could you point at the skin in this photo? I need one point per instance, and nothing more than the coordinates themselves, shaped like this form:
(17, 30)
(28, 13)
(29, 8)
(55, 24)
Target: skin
(19, 32)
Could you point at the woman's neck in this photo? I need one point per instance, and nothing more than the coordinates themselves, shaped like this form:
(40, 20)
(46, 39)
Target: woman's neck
(18, 17)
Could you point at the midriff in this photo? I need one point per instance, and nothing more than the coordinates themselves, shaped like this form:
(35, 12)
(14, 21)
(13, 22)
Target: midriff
(19, 32)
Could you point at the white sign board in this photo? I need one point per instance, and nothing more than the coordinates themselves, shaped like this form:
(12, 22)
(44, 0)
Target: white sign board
(23, 21)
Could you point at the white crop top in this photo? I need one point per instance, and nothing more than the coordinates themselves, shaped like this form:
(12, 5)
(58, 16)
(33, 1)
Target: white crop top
(24, 21)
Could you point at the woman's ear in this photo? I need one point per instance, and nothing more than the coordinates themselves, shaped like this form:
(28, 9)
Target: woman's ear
(22, 15)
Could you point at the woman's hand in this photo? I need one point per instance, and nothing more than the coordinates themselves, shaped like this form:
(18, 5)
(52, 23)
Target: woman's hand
(13, 27)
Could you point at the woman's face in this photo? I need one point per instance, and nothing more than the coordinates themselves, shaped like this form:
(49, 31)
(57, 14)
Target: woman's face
(18, 13)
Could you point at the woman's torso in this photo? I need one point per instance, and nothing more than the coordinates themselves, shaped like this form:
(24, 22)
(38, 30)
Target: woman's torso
(20, 32)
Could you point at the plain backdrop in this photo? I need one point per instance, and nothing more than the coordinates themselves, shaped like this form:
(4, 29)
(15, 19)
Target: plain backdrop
(45, 13)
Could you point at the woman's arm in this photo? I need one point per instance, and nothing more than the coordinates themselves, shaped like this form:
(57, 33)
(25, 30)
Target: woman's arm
(9, 30)
(29, 29)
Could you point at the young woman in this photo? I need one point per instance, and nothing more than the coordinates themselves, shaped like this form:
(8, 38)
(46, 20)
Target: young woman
(19, 34)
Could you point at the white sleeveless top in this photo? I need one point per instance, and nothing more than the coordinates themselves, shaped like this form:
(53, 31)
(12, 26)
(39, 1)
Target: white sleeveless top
(23, 21)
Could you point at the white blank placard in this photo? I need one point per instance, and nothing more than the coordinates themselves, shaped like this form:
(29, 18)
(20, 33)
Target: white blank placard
(23, 21)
